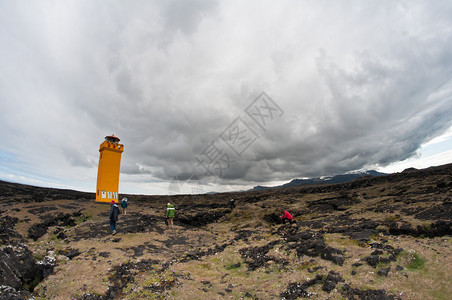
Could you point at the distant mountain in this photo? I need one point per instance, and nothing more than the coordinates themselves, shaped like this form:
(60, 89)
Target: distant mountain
(322, 180)
(261, 188)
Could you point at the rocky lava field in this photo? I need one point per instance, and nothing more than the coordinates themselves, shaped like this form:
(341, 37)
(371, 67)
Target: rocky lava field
(374, 238)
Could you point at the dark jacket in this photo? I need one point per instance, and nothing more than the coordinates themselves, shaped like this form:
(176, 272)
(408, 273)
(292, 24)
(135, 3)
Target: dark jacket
(114, 212)
(232, 203)
(124, 203)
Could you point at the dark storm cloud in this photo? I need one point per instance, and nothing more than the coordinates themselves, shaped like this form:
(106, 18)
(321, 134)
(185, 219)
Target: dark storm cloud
(186, 15)
(360, 84)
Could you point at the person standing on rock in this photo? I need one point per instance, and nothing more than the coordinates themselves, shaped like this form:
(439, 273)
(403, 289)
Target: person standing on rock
(232, 203)
(114, 213)
(124, 206)
(286, 216)
(170, 213)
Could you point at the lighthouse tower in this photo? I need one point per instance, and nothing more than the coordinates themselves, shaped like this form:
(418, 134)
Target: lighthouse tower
(108, 170)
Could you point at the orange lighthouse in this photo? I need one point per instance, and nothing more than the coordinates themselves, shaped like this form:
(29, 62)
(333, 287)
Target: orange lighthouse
(108, 170)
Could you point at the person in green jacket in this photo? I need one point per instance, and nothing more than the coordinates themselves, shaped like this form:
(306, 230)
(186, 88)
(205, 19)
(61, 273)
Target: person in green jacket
(170, 213)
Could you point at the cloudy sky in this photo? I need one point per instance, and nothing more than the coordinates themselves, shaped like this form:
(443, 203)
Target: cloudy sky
(222, 95)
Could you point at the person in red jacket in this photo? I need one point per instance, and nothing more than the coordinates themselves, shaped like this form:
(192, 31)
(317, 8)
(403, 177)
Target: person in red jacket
(286, 216)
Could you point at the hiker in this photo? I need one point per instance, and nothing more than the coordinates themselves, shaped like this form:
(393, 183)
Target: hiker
(286, 216)
(170, 213)
(124, 205)
(232, 203)
(114, 213)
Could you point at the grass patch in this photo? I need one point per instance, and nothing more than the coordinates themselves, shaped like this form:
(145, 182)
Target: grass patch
(153, 285)
(411, 260)
(206, 266)
(305, 265)
(83, 218)
(393, 218)
(416, 262)
(233, 266)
